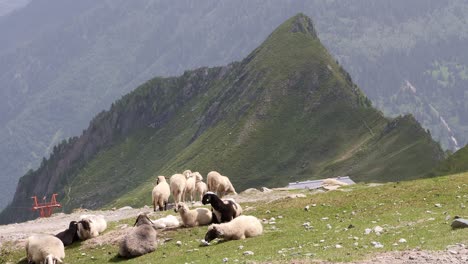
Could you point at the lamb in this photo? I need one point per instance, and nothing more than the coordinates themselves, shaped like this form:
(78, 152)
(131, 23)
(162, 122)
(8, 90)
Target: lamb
(161, 194)
(224, 211)
(219, 184)
(177, 183)
(195, 217)
(140, 240)
(200, 187)
(240, 228)
(168, 221)
(70, 235)
(91, 226)
(190, 185)
(45, 249)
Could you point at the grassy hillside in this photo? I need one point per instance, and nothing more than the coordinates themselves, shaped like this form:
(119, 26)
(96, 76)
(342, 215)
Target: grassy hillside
(404, 210)
(456, 163)
(286, 112)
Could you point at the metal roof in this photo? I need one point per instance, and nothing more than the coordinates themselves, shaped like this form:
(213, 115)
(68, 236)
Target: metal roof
(315, 184)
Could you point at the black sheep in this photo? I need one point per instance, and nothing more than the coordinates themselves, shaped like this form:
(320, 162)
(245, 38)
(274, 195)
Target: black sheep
(70, 235)
(223, 211)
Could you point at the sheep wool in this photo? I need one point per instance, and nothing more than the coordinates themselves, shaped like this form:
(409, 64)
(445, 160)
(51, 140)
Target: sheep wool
(91, 226)
(160, 194)
(177, 183)
(45, 249)
(219, 184)
(195, 217)
(190, 186)
(241, 227)
(140, 240)
(166, 222)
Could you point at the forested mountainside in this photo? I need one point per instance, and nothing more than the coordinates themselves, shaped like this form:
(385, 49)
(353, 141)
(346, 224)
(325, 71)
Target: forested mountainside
(62, 61)
(286, 112)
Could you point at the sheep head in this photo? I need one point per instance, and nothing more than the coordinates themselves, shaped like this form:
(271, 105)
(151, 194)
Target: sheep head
(160, 179)
(213, 232)
(207, 197)
(143, 219)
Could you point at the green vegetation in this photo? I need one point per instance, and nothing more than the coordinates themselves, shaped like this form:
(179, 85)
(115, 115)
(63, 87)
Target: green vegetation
(404, 210)
(455, 163)
(287, 112)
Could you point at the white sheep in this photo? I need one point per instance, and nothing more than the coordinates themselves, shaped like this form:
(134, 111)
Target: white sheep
(241, 227)
(190, 185)
(45, 249)
(91, 226)
(160, 194)
(140, 240)
(195, 217)
(166, 222)
(200, 187)
(219, 184)
(177, 184)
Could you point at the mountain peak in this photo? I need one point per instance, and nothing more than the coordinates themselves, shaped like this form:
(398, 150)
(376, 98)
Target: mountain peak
(302, 23)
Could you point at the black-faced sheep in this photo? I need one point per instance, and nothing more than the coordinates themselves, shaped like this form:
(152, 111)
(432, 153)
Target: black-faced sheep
(177, 183)
(195, 217)
(200, 187)
(140, 240)
(219, 184)
(223, 211)
(70, 235)
(45, 249)
(91, 226)
(160, 194)
(242, 227)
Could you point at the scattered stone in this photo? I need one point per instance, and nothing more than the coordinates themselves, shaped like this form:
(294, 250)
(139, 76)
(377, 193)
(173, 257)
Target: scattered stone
(241, 247)
(225, 260)
(267, 211)
(338, 246)
(448, 217)
(367, 231)
(125, 208)
(203, 242)
(459, 223)
(179, 243)
(322, 241)
(314, 205)
(280, 217)
(265, 189)
(438, 205)
(329, 226)
(272, 219)
(306, 208)
(248, 253)
(356, 244)
(377, 244)
(83, 254)
(298, 195)
(378, 230)
(325, 218)
(395, 244)
(402, 240)
(453, 252)
(351, 226)
(431, 219)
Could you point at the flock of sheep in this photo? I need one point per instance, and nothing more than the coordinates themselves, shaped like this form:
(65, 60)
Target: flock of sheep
(225, 219)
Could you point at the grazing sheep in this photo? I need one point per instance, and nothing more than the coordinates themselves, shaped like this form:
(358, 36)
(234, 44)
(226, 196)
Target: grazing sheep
(161, 194)
(223, 211)
(219, 184)
(200, 187)
(140, 240)
(70, 235)
(195, 217)
(168, 221)
(190, 186)
(45, 249)
(177, 183)
(91, 226)
(240, 228)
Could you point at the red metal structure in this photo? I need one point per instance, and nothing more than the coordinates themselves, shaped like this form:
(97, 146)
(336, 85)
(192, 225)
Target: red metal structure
(45, 208)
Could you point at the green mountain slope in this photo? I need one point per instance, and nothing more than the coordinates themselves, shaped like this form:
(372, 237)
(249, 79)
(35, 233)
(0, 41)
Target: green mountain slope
(456, 163)
(286, 112)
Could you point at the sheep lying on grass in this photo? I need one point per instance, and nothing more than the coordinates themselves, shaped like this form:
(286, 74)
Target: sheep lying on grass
(161, 194)
(241, 227)
(45, 249)
(166, 222)
(195, 217)
(200, 187)
(219, 184)
(70, 235)
(91, 226)
(140, 240)
(223, 211)
(177, 183)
